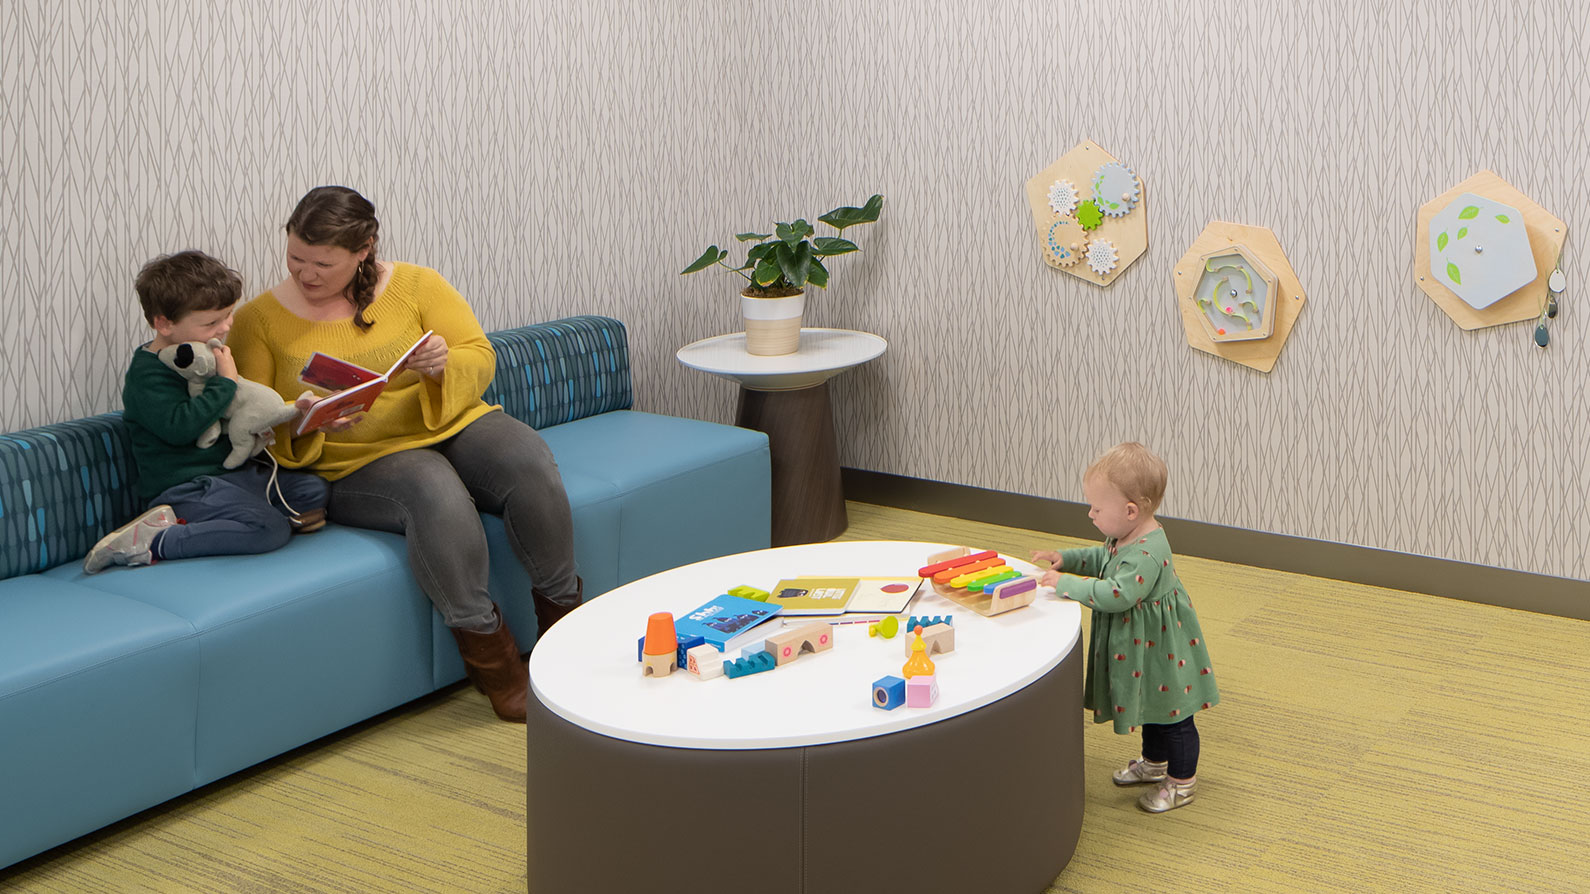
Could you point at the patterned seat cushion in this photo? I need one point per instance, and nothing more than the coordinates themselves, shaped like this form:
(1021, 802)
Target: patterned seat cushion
(62, 487)
(557, 372)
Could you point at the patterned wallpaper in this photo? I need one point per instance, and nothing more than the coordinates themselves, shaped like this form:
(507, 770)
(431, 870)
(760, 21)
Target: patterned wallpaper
(563, 157)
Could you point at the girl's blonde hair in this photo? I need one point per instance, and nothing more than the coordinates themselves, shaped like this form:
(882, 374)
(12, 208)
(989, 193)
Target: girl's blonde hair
(1135, 471)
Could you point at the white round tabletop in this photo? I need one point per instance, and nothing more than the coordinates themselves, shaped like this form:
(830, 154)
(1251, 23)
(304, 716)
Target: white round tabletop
(585, 668)
(823, 353)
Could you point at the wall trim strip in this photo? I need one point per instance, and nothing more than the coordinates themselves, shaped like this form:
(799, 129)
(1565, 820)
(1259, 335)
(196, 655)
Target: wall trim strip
(1484, 584)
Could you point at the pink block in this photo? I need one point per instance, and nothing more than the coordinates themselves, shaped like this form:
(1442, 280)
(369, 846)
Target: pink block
(921, 691)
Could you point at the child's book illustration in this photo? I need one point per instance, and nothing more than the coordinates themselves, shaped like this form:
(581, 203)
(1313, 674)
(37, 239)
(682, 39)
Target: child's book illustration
(726, 622)
(813, 595)
(884, 595)
(836, 595)
(354, 388)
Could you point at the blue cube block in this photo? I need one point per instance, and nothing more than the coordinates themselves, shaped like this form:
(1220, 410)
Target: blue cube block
(686, 643)
(888, 693)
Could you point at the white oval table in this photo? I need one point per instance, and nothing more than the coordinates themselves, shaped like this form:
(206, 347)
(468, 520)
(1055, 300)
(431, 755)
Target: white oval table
(791, 780)
(786, 397)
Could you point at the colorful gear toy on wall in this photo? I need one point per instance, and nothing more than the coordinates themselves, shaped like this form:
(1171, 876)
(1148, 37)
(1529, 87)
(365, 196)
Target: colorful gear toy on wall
(1116, 189)
(1089, 215)
(1063, 196)
(1066, 244)
(1102, 257)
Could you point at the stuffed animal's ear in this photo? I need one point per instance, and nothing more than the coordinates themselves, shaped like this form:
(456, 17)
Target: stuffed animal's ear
(184, 356)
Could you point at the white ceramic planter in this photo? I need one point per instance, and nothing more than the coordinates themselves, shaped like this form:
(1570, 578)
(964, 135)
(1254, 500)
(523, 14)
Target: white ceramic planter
(772, 325)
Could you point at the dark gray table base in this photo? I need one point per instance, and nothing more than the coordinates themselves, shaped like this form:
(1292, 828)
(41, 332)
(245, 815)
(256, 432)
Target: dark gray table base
(808, 496)
(989, 801)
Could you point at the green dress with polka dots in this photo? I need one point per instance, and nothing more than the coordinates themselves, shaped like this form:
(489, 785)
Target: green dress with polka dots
(1147, 662)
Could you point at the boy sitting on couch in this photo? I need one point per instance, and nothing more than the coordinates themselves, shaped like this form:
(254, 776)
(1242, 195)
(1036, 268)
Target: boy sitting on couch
(199, 508)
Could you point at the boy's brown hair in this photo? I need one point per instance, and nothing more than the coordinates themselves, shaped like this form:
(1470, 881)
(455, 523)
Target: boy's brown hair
(175, 285)
(1135, 471)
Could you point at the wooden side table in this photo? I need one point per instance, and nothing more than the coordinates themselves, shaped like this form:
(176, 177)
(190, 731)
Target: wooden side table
(786, 397)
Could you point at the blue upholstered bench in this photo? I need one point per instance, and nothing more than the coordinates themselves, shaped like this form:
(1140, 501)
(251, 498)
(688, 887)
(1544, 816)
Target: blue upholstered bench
(126, 688)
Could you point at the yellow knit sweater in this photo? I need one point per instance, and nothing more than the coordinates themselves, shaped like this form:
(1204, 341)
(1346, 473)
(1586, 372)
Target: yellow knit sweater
(272, 344)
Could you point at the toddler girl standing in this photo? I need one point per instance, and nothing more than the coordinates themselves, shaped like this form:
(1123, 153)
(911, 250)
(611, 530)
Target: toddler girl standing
(1147, 666)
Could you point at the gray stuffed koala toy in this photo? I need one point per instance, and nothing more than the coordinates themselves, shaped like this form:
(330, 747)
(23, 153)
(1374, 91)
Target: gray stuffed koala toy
(248, 419)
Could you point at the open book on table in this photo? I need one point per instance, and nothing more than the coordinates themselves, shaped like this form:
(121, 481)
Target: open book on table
(836, 595)
(353, 388)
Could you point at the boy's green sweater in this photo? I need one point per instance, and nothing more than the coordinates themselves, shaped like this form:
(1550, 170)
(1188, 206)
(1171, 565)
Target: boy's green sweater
(165, 423)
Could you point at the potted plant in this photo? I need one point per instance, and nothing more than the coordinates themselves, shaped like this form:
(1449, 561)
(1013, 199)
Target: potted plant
(777, 270)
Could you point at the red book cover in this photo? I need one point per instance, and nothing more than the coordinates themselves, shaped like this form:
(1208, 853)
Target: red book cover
(354, 388)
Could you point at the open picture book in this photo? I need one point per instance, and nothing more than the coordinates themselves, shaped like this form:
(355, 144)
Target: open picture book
(844, 595)
(353, 388)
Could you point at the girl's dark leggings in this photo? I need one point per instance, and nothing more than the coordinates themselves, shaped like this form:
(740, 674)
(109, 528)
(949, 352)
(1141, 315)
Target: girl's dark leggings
(1173, 743)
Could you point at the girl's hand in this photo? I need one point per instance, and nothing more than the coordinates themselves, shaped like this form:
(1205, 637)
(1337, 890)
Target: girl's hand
(1049, 579)
(1047, 555)
(431, 358)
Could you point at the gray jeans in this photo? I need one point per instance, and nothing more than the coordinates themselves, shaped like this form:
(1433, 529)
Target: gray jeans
(433, 497)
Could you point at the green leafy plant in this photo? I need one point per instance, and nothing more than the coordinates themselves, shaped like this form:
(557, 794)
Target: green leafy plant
(783, 262)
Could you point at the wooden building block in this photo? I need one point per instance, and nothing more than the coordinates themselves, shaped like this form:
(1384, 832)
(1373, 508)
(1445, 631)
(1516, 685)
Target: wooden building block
(704, 662)
(786, 646)
(658, 665)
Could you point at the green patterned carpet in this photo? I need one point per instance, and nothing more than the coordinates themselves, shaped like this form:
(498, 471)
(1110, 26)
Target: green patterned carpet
(1367, 740)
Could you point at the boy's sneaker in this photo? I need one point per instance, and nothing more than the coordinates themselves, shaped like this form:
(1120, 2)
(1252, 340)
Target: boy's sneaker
(130, 543)
(1168, 796)
(307, 522)
(1139, 771)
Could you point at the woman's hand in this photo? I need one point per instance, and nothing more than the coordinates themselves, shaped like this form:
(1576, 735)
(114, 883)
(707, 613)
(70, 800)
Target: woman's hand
(430, 359)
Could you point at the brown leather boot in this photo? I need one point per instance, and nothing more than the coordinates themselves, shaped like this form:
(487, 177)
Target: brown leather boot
(495, 668)
(549, 612)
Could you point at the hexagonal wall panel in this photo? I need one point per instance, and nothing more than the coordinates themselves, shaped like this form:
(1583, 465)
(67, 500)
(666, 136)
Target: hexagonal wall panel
(1091, 214)
(1235, 295)
(1193, 276)
(1479, 250)
(1496, 284)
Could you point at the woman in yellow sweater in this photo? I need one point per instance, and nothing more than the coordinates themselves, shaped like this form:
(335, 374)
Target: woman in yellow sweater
(430, 454)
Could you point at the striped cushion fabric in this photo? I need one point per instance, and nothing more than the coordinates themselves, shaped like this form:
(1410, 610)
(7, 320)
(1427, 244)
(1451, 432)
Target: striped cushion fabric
(556, 372)
(62, 487)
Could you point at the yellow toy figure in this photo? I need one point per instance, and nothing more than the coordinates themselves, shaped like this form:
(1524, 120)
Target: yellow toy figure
(919, 662)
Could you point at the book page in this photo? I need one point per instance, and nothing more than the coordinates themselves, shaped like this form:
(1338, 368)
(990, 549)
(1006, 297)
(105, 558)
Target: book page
(331, 374)
(341, 405)
(334, 374)
(812, 595)
(885, 595)
(393, 369)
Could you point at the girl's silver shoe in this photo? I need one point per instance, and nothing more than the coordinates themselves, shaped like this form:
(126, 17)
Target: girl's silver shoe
(1168, 796)
(1138, 772)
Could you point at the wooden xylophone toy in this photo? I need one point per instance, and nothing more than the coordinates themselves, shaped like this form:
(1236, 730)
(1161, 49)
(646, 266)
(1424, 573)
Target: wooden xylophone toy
(980, 581)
